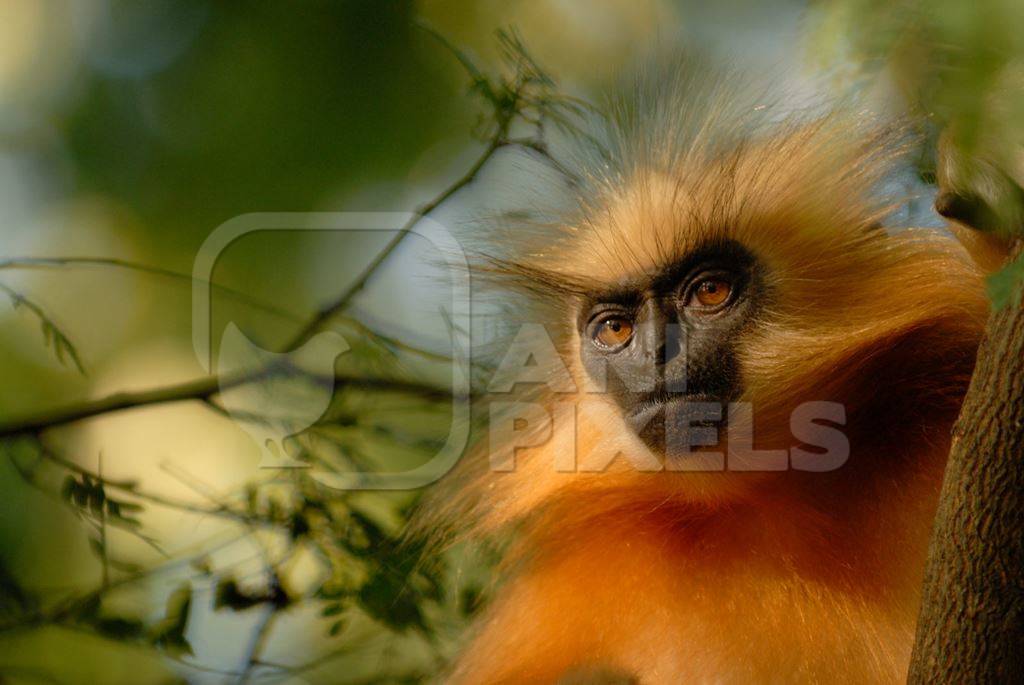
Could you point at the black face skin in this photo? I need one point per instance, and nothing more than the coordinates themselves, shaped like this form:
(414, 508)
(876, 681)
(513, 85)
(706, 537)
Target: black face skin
(667, 342)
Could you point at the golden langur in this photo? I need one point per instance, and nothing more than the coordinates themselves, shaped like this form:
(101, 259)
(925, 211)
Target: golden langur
(747, 413)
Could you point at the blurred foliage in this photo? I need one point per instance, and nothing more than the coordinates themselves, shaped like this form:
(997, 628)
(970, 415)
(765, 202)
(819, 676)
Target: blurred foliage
(960, 68)
(257, 108)
(948, 58)
(373, 591)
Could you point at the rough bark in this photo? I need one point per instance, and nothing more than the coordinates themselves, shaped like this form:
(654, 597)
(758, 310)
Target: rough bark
(971, 625)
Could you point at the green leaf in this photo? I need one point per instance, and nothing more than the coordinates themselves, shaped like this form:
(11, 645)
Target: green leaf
(386, 598)
(119, 510)
(174, 644)
(169, 633)
(332, 610)
(1006, 287)
(96, 497)
(80, 495)
(120, 628)
(125, 566)
(229, 596)
(337, 627)
(298, 526)
(470, 600)
(179, 603)
(68, 489)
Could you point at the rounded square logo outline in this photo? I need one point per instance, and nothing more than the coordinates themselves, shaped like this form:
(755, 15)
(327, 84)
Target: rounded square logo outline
(457, 267)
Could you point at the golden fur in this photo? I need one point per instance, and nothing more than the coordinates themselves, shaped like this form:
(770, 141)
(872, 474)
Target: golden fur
(730, 576)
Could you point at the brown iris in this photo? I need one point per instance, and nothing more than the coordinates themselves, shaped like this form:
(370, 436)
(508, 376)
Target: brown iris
(614, 331)
(711, 292)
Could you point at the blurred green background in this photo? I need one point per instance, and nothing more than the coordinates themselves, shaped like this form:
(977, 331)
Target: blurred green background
(145, 546)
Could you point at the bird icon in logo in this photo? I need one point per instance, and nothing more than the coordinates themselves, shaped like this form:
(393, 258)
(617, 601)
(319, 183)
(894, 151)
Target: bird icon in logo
(273, 396)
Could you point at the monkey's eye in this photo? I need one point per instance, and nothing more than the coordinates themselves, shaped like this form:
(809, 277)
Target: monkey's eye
(613, 332)
(710, 293)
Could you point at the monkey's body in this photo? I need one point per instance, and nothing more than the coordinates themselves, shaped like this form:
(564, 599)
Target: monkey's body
(803, 574)
(744, 594)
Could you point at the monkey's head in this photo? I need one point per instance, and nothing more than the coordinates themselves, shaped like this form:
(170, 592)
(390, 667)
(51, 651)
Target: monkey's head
(721, 271)
(752, 276)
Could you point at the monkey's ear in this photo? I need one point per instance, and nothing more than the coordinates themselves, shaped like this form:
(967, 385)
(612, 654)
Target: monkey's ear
(968, 208)
(981, 198)
(977, 226)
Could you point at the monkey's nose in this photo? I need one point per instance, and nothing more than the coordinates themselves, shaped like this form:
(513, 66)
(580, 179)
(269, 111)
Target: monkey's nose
(672, 343)
(661, 335)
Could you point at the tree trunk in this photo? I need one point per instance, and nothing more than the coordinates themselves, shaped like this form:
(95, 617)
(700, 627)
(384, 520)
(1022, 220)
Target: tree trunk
(971, 625)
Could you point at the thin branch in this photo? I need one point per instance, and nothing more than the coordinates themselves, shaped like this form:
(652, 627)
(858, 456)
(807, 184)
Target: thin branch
(343, 300)
(540, 149)
(526, 97)
(131, 488)
(104, 560)
(59, 615)
(202, 389)
(507, 99)
(277, 598)
(51, 331)
(58, 262)
(318, 661)
(506, 108)
(29, 478)
(258, 643)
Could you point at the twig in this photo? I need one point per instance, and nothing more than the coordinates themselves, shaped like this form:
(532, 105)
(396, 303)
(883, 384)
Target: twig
(540, 148)
(201, 389)
(506, 108)
(51, 331)
(343, 300)
(508, 99)
(258, 643)
(526, 97)
(132, 489)
(277, 597)
(57, 262)
(104, 562)
(29, 479)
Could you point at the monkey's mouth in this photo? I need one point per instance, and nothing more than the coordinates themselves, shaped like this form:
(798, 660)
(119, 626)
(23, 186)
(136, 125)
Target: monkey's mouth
(674, 424)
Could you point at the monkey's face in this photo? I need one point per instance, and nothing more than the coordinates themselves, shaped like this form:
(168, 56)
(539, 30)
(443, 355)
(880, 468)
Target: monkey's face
(664, 347)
